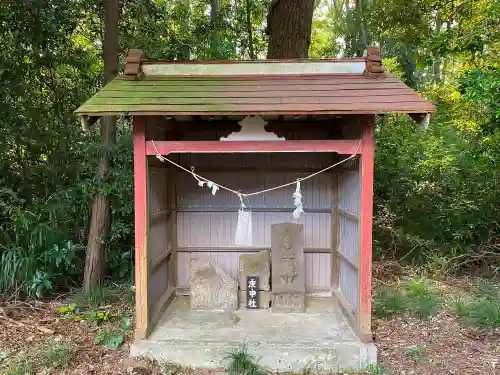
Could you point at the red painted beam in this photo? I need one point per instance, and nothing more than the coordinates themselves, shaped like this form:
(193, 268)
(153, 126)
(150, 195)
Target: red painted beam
(341, 146)
(141, 225)
(365, 260)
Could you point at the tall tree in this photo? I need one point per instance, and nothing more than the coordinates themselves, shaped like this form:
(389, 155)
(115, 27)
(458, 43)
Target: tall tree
(289, 25)
(363, 44)
(214, 21)
(251, 50)
(95, 259)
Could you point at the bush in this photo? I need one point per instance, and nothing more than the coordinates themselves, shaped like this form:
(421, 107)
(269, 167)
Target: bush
(482, 308)
(436, 197)
(42, 239)
(435, 193)
(416, 297)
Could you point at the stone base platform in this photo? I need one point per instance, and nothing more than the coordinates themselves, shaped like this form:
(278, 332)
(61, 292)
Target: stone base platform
(319, 339)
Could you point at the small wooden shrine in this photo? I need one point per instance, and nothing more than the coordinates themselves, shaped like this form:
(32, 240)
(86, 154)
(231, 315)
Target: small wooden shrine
(251, 126)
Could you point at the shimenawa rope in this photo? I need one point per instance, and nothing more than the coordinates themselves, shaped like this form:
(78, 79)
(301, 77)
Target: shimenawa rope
(202, 180)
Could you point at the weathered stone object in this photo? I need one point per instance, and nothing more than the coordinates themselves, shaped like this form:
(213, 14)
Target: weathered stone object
(211, 288)
(289, 302)
(256, 264)
(288, 267)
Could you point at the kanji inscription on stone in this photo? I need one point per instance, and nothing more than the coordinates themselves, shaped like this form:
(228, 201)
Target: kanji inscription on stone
(252, 292)
(289, 302)
(288, 267)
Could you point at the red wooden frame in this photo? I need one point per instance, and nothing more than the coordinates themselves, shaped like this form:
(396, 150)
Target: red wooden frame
(141, 228)
(341, 146)
(143, 148)
(365, 259)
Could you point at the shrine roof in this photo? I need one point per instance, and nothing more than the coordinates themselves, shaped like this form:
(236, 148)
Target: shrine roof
(342, 86)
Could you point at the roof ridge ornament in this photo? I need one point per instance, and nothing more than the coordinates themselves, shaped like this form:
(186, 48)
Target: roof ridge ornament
(133, 64)
(373, 67)
(252, 129)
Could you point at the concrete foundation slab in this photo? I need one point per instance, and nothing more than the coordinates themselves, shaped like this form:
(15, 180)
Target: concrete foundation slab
(320, 338)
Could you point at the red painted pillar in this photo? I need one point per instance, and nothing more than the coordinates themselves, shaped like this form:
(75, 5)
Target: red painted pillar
(141, 225)
(365, 260)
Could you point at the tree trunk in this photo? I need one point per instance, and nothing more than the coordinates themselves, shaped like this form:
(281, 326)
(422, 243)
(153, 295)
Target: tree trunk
(251, 50)
(95, 260)
(363, 44)
(214, 37)
(437, 60)
(289, 24)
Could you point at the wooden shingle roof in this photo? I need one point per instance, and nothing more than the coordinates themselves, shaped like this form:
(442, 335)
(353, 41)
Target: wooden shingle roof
(341, 86)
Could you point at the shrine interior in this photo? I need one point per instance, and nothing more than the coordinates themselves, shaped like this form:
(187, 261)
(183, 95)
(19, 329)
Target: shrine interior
(198, 227)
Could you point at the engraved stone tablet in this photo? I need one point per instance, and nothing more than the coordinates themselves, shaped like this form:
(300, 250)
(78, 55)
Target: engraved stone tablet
(288, 267)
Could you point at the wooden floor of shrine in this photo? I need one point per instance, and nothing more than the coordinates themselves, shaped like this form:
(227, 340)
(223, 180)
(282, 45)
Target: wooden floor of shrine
(321, 337)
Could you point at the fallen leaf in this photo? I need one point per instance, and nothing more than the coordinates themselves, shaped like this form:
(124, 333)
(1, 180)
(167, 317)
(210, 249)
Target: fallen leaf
(46, 330)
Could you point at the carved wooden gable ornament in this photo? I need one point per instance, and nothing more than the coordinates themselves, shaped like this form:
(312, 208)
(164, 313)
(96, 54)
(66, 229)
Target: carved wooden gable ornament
(252, 129)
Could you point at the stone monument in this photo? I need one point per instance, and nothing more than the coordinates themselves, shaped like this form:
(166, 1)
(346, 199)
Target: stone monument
(211, 288)
(288, 267)
(256, 264)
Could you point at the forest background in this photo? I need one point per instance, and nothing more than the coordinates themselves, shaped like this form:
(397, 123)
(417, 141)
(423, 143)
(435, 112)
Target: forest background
(437, 197)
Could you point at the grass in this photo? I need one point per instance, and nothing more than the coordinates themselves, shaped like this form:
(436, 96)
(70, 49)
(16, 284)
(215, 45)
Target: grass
(243, 363)
(416, 297)
(482, 308)
(52, 356)
(417, 354)
(367, 370)
(58, 356)
(97, 297)
(169, 368)
(16, 269)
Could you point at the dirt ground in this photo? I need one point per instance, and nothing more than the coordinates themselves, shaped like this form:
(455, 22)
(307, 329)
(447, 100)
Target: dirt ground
(438, 346)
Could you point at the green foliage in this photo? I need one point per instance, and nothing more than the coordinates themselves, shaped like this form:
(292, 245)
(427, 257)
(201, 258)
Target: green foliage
(444, 202)
(365, 370)
(23, 366)
(51, 62)
(435, 191)
(72, 312)
(113, 336)
(58, 356)
(375, 370)
(110, 337)
(52, 356)
(97, 297)
(417, 354)
(243, 363)
(416, 297)
(482, 308)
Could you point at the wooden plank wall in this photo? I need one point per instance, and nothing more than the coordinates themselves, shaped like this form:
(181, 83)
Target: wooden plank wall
(158, 244)
(160, 229)
(348, 213)
(206, 223)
